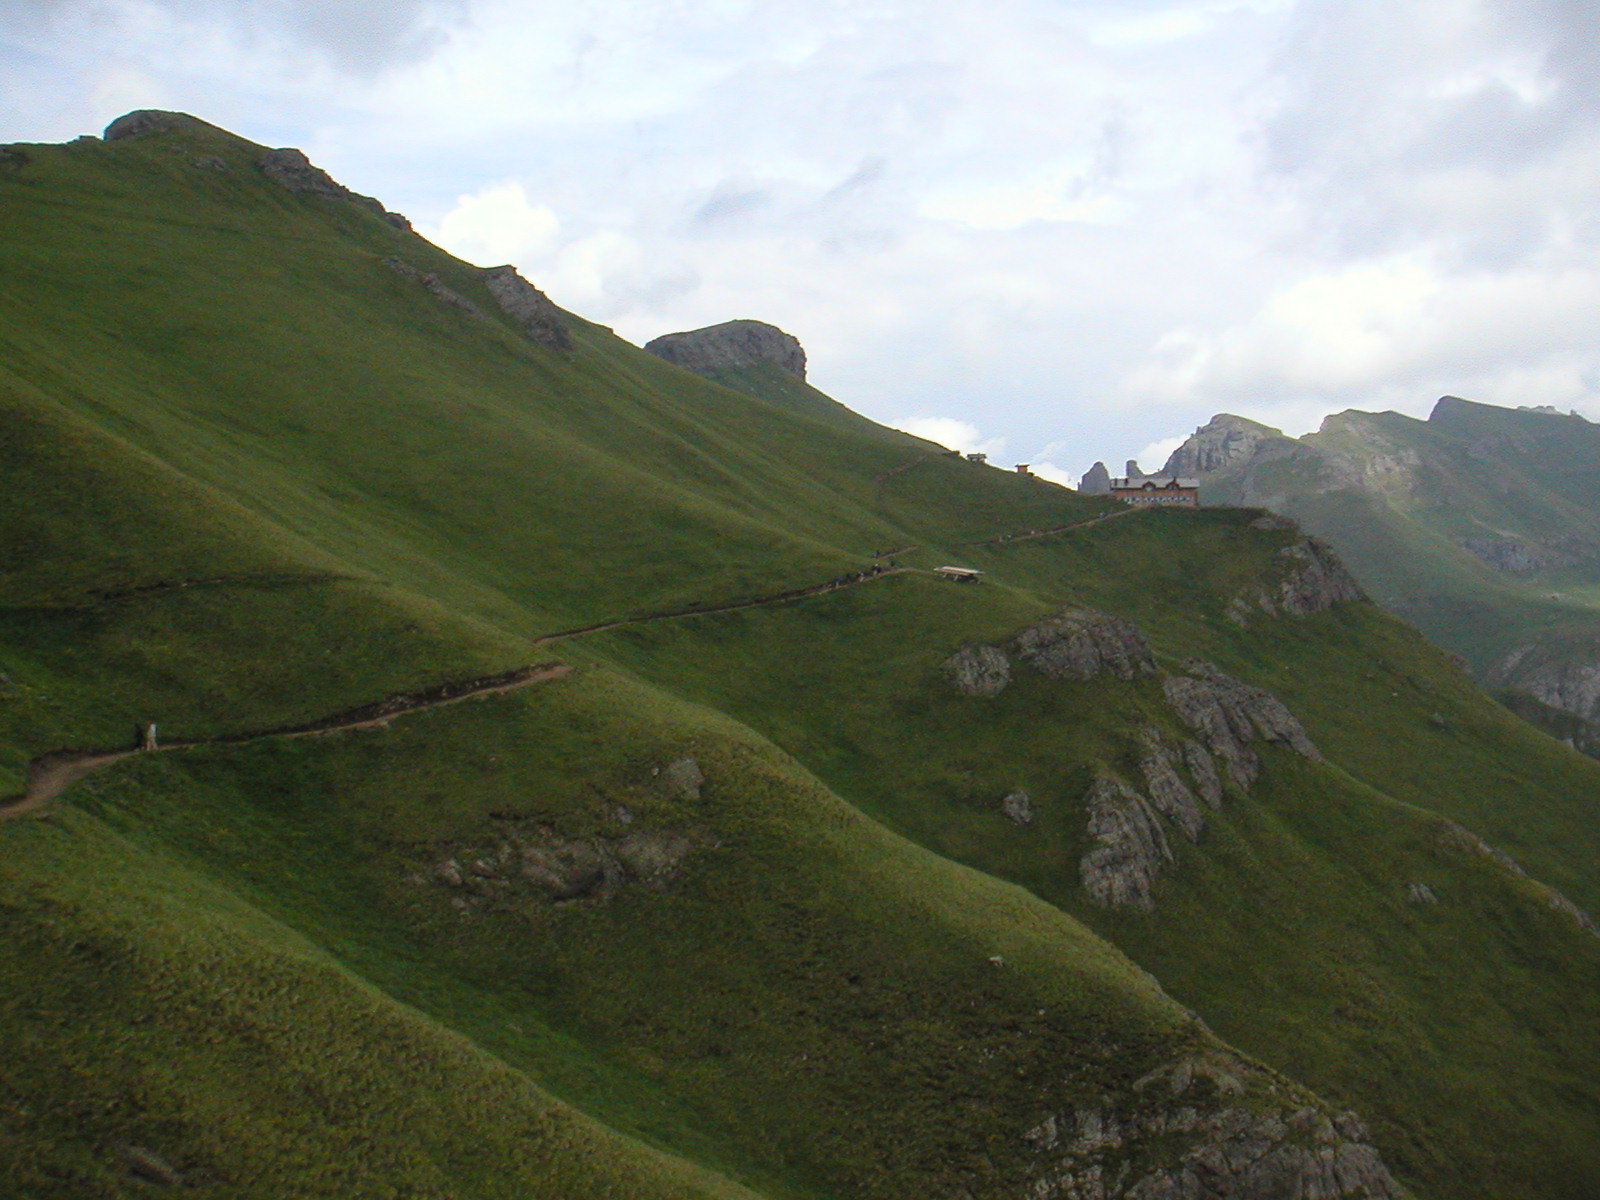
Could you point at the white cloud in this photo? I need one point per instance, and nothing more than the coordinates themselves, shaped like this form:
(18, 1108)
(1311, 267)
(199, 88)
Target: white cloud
(952, 434)
(1054, 474)
(497, 225)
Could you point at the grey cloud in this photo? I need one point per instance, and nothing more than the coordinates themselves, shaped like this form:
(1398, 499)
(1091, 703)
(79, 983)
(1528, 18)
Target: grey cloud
(864, 176)
(359, 36)
(730, 203)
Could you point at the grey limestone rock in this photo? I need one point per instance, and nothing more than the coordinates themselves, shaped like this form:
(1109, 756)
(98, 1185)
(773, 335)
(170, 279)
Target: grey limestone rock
(1317, 580)
(1081, 643)
(539, 319)
(1220, 442)
(730, 346)
(1420, 893)
(1204, 770)
(979, 670)
(1096, 481)
(1180, 1134)
(1169, 794)
(1229, 716)
(431, 283)
(291, 170)
(1130, 847)
(1514, 556)
(682, 779)
(536, 866)
(1018, 808)
(1563, 673)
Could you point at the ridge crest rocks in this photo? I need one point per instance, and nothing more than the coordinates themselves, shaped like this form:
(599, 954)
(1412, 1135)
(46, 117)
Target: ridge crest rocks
(730, 346)
(538, 318)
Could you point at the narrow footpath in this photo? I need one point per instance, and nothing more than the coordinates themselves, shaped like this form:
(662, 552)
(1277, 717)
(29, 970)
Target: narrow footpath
(52, 773)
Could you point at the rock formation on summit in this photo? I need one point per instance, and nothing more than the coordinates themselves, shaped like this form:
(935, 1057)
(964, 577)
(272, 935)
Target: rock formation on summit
(731, 346)
(1096, 481)
(1220, 442)
(292, 170)
(150, 120)
(287, 167)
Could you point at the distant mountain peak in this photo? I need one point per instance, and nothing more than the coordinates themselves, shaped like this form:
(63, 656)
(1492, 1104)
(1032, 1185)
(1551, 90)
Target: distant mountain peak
(730, 346)
(1220, 442)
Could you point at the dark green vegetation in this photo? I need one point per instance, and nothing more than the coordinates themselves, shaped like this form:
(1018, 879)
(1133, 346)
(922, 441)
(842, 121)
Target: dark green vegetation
(522, 946)
(1480, 525)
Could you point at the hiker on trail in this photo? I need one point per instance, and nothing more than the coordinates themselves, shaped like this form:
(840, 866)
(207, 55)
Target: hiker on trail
(147, 736)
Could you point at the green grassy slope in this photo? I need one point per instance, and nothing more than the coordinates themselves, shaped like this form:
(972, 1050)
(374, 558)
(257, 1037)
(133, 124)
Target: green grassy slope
(1288, 926)
(253, 476)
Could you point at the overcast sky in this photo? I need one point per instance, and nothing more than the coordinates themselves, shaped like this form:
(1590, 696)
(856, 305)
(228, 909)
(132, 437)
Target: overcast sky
(1060, 230)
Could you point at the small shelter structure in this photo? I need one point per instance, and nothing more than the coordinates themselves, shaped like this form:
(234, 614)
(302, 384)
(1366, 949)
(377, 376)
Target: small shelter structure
(980, 459)
(959, 574)
(1151, 490)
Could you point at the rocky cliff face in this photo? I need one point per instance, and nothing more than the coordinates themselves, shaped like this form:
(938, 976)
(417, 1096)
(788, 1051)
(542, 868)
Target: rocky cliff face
(731, 346)
(1219, 443)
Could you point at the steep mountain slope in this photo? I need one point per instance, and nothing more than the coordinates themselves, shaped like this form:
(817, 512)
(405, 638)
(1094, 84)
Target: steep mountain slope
(753, 868)
(1479, 525)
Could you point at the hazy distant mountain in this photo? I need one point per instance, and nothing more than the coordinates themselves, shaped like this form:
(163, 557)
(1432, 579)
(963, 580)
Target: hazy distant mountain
(1480, 524)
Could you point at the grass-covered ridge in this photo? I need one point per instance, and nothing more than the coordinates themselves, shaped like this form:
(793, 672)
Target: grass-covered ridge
(729, 907)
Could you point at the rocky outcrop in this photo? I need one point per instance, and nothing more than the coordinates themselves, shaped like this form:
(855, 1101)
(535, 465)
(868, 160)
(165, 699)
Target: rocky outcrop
(1130, 847)
(978, 670)
(1420, 893)
(526, 866)
(540, 321)
(291, 170)
(1513, 556)
(1080, 643)
(731, 346)
(150, 120)
(1219, 443)
(431, 283)
(680, 779)
(1096, 481)
(1562, 672)
(1018, 808)
(1316, 579)
(1169, 794)
(1185, 1132)
(1229, 716)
